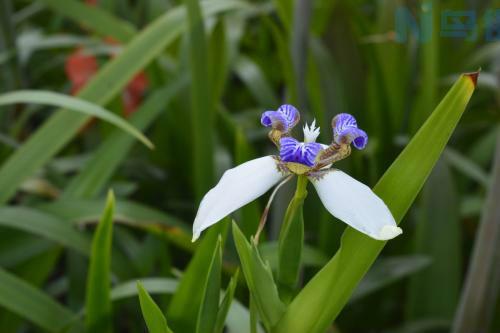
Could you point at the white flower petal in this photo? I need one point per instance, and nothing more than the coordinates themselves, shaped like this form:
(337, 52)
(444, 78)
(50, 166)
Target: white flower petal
(236, 188)
(355, 203)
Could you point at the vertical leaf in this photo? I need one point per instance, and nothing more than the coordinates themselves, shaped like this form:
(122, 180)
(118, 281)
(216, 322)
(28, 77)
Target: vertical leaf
(210, 302)
(98, 295)
(155, 320)
(291, 241)
(186, 302)
(259, 279)
(314, 309)
(202, 108)
(226, 304)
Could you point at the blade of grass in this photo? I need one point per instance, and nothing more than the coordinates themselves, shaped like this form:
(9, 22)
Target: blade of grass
(226, 304)
(388, 270)
(32, 304)
(187, 300)
(155, 320)
(260, 281)
(209, 306)
(72, 104)
(44, 225)
(202, 107)
(98, 315)
(313, 309)
(94, 18)
(106, 159)
(101, 89)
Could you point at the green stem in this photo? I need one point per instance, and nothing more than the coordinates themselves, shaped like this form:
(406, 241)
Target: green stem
(291, 242)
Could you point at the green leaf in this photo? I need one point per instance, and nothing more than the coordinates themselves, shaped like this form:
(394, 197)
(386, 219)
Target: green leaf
(253, 77)
(237, 319)
(291, 242)
(106, 159)
(186, 303)
(98, 315)
(126, 212)
(467, 166)
(101, 89)
(311, 256)
(155, 320)
(94, 18)
(313, 309)
(202, 107)
(209, 307)
(74, 104)
(44, 225)
(438, 236)
(32, 304)
(259, 279)
(388, 270)
(225, 305)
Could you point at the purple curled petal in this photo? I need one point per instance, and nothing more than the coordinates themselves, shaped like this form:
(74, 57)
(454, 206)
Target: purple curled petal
(346, 131)
(275, 120)
(292, 150)
(357, 137)
(342, 121)
(290, 113)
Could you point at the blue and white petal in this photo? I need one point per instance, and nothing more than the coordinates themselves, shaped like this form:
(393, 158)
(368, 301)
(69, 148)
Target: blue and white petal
(283, 119)
(292, 150)
(236, 188)
(346, 131)
(355, 204)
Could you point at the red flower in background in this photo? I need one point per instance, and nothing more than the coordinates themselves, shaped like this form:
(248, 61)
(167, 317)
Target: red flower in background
(81, 67)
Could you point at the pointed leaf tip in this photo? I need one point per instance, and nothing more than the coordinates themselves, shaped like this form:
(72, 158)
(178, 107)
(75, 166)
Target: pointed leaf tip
(473, 76)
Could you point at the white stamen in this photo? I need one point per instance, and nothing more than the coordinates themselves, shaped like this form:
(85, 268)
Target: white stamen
(311, 133)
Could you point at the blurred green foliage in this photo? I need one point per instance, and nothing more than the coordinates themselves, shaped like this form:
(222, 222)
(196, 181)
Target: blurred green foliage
(211, 68)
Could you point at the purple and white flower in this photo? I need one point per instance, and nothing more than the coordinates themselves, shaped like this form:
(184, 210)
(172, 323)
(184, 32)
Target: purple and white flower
(344, 197)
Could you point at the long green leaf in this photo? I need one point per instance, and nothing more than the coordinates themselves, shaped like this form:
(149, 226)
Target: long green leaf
(98, 294)
(314, 309)
(186, 303)
(45, 225)
(259, 279)
(226, 304)
(155, 320)
(32, 304)
(73, 104)
(236, 321)
(101, 89)
(104, 162)
(202, 107)
(93, 18)
(209, 307)
(126, 212)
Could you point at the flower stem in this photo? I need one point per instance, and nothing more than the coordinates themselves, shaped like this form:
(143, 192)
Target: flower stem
(291, 241)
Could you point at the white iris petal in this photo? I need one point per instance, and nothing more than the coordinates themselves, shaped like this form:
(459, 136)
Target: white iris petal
(355, 204)
(236, 188)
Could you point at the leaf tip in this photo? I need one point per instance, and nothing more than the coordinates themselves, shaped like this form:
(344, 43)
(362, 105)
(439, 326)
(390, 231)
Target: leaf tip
(473, 76)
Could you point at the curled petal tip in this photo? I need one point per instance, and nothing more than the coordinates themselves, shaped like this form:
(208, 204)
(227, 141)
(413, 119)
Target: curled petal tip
(389, 232)
(195, 238)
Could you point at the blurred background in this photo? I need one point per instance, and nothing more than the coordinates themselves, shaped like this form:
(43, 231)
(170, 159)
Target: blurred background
(197, 91)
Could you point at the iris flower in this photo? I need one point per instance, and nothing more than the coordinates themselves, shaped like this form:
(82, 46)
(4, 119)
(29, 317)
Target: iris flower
(343, 196)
